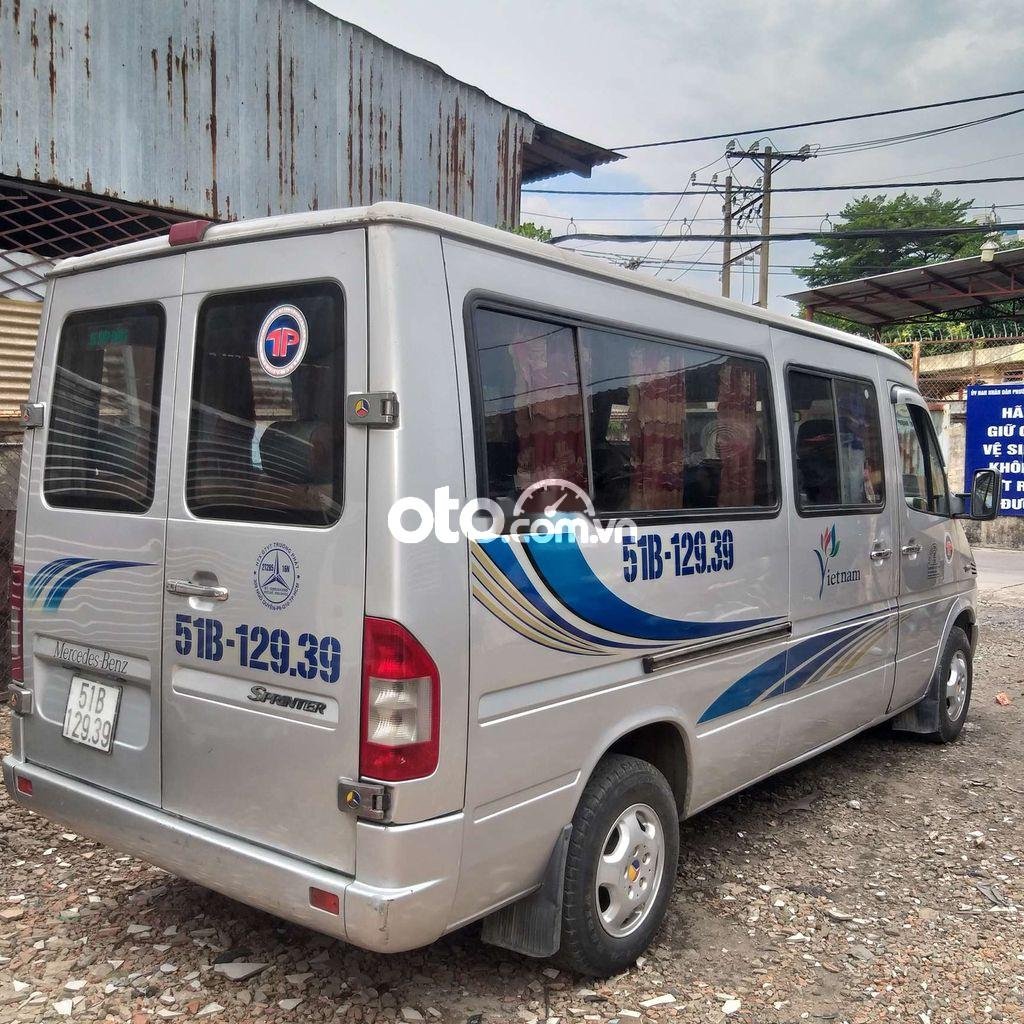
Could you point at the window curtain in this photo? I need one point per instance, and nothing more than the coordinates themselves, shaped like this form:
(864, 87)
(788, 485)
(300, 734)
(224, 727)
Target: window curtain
(548, 408)
(737, 434)
(657, 411)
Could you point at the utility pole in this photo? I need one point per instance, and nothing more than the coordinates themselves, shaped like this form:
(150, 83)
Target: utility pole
(766, 220)
(727, 235)
(767, 161)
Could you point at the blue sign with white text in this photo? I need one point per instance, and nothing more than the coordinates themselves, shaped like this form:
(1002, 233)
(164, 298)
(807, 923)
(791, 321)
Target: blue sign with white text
(995, 439)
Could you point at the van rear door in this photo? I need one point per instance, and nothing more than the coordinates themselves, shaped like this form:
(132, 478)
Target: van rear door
(266, 538)
(95, 520)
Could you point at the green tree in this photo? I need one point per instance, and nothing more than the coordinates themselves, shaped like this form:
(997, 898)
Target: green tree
(845, 259)
(530, 230)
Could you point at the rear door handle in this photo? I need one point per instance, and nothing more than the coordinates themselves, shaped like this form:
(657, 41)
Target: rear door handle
(185, 588)
(911, 550)
(880, 554)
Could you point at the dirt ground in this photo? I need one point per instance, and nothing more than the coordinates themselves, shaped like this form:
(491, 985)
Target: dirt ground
(882, 881)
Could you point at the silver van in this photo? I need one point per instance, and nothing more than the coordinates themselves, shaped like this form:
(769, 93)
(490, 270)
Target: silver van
(389, 572)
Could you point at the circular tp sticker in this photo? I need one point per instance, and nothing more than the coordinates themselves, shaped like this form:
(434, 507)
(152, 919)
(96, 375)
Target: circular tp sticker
(949, 548)
(282, 341)
(276, 576)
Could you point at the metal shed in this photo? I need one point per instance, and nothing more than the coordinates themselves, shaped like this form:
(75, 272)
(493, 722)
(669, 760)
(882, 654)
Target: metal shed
(231, 109)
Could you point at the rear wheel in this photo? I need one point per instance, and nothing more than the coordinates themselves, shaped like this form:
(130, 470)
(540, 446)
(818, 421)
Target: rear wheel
(621, 866)
(955, 678)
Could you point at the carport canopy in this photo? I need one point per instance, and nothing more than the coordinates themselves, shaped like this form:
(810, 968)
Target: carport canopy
(902, 296)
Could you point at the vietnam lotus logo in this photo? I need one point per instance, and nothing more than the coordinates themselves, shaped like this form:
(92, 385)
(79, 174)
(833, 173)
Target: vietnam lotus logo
(828, 548)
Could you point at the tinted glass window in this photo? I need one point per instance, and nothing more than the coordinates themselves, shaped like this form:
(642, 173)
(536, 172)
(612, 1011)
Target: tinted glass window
(837, 442)
(532, 409)
(924, 479)
(265, 443)
(675, 427)
(104, 418)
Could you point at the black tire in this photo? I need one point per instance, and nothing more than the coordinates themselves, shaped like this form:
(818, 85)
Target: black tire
(953, 712)
(618, 783)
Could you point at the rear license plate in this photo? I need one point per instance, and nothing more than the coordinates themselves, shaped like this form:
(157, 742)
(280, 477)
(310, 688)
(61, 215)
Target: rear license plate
(91, 715)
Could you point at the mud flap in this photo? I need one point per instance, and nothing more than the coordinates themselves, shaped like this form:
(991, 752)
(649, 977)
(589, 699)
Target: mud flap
(922, 718)
(533, 926)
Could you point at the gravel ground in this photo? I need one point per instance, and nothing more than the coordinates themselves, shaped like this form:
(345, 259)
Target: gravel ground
(882, 881)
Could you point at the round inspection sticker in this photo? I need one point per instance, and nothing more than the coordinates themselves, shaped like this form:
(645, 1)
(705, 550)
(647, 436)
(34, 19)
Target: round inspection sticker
(282, 341)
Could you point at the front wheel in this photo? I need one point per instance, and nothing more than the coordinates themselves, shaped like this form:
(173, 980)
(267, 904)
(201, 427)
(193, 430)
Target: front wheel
(955, 680)
(621, 866)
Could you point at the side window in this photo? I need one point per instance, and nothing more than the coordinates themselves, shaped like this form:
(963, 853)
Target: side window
(532, 407)
(924, 479)
(267, 421)
(670, 427)
(104, 418)
(837, 442)
(675, 427)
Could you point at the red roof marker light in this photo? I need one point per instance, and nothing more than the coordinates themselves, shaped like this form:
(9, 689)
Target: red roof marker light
(188, 232)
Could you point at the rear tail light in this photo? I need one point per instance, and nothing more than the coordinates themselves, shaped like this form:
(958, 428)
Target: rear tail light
(401, 705)
(17, 623)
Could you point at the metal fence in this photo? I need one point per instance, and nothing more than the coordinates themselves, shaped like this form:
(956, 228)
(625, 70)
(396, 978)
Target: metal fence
(946, 361)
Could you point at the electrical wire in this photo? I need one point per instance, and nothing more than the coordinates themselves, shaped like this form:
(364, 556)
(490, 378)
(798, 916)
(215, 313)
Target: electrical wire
(897, 140)
(806, 236)
(717, 220)
(827, 120)
(798, 188)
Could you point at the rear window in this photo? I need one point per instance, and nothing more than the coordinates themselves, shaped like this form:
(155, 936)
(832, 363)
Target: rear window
(104, 418)
(267, 420)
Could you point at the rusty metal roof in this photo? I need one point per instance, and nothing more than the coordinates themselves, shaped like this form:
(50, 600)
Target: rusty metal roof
(906, 295)
(252, 108)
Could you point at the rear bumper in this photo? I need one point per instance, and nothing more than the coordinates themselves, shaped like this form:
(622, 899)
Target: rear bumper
(401, 901)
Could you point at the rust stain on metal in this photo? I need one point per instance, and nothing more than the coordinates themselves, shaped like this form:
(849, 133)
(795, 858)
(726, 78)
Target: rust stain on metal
(34, 40)
(170, 70)
(280, 112)
(351, 62)
(213, 122)
(266, 97)
(182, 65)
(291, 124)
(51, 24)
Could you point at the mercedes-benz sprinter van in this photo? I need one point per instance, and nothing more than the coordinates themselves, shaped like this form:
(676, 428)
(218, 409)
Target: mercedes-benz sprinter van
(389, 572)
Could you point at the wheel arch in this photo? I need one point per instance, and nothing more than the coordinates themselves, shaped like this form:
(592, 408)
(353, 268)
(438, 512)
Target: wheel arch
(663, 742)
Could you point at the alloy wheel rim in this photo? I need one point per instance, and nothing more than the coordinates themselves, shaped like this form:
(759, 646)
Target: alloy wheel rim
(956, 687)
(629, 870)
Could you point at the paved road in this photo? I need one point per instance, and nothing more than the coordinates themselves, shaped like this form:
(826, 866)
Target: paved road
(1000, 570)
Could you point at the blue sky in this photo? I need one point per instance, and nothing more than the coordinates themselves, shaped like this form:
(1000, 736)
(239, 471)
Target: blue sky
(616, 72)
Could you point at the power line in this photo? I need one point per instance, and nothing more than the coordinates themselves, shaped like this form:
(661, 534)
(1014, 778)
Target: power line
(806, 236)
(800, 188)
(827, 120)
(897, 140)
(694, 220)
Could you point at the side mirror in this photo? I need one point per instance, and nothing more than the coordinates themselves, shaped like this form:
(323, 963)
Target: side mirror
(985, 491)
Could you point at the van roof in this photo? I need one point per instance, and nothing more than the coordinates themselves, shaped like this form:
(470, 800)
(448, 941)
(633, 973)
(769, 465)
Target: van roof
(444, 223)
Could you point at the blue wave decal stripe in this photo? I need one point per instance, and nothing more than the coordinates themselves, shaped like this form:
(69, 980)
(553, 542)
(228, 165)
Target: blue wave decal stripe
(567, 573)
(75, 575)
(782, 670)
(501, 554)
(747, 688)
(42, 576)
(804, 672)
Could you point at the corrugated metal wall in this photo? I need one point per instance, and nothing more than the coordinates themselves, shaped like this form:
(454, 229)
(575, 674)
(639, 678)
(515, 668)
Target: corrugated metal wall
(19, 327)
(242, 108)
